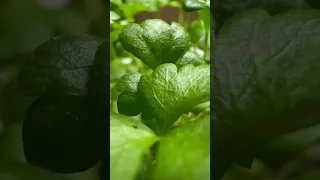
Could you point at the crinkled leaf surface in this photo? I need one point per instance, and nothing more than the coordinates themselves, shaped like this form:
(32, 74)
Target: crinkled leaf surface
(155, 42)
(184, 153)
(61, 65)
(129, 139)
(194, 5)
(266, 76)
(169, 92)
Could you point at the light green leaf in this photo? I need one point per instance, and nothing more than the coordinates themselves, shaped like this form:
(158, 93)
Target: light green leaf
(152, 5)
(184, 153)
(155, 42)
(117, 69)
(132, 9)
(129, 139)
(194, 5)
(196, 30)
(113, 17)
(117, 2)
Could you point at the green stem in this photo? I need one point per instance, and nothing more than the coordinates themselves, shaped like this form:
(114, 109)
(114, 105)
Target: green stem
(113, 53)
(181, 17)
(206, 44)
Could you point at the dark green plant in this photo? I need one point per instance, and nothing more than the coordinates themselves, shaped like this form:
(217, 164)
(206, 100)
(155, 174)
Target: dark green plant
(62, 130)
(265, 92)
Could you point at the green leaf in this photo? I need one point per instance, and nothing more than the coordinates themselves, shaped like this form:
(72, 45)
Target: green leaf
(132, 9)
(60, 66)
(117, 69)
(266, 76)
(117, 2)
(200, 107)
(169, 92)
(190, 58)
(155, 42)
(151, 5)
(196, 31)
(195, 5)
(113, 17)
(145, 172)
(129, 139)
(184, 153)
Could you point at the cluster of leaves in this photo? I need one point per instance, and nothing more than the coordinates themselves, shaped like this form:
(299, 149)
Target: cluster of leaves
(160, 92)
(64, 128)
(265, 89)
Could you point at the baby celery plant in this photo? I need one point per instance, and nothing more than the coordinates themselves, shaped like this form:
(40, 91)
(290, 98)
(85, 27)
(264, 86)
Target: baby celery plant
(180, 80)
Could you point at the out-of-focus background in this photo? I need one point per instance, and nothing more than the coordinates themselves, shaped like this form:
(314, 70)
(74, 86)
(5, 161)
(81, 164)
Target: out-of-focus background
(24, 25)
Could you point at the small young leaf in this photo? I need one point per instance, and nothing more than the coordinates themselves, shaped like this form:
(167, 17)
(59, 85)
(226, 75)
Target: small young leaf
(129, 139)
(194, 5)
(155, 42)
(184, 153)
(113, 17)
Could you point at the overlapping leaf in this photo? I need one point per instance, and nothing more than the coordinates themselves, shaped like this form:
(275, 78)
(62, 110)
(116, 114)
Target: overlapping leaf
(129, 139)
(166, 94)
(185, 150)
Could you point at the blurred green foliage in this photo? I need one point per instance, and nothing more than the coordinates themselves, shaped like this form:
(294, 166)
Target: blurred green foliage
(25, 24)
